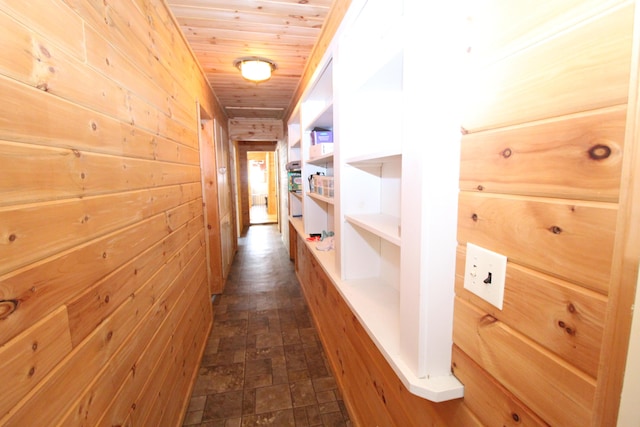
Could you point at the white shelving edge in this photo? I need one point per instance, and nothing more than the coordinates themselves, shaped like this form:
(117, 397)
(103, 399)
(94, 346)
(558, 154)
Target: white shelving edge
(321, 160)
(325, 199)
(377, 305)
(384, 226)
(376, 158)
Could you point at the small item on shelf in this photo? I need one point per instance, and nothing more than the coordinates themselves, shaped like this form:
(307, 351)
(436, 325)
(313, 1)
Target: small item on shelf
(295, 180)
(313, 182)
(320, 150)
(326, 241)
(294, 165)
(321, 136)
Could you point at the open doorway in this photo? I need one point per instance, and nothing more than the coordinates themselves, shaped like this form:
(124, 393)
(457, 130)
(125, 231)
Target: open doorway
(264, 151)
(263, 205)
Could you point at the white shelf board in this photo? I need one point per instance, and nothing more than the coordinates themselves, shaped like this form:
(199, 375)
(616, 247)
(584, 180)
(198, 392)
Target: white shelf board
(295, 143)
(329, 200)
(321, 160)
(384, 226)
(296, 194)
(377, 307)
(322, 119)
(376, 158)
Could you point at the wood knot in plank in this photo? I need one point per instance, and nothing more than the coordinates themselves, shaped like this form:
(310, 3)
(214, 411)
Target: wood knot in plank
(568, 329)
(8, 307)
(555, 229)
(487, 320)
(599, 152)
(506, 153)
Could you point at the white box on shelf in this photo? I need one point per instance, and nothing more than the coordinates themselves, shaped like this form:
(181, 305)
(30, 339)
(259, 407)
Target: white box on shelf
(320, 149)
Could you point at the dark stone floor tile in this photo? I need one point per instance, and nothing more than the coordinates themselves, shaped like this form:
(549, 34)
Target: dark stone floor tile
(257, 367)
(302, 393)
(328, 407)
(325, 383)
(265, 353)
(326, 396)
(232, 343)
(270, 339)
(249, 402)
(333, 419)
(276, 419)
(273, 398)
(223, 405)
(296, 375)
(219, 379)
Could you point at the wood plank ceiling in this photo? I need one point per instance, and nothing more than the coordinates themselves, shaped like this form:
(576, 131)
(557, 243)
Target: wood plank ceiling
(221, 31)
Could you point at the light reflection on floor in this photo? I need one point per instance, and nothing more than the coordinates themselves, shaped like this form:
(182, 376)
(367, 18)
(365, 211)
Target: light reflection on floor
(258, 215)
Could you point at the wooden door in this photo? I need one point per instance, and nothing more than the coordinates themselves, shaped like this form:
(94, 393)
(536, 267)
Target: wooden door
(210, 205)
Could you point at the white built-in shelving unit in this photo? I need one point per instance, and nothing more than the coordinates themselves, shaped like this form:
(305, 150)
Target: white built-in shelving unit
(394, 208)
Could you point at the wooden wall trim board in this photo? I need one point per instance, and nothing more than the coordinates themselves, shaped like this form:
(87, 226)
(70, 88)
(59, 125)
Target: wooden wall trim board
(624, 274)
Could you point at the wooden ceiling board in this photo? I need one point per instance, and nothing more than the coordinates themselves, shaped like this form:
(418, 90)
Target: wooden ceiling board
(221, 31)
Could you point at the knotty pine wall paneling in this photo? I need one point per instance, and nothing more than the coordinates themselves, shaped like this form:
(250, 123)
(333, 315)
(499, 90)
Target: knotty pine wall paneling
(543, 144)
(104, 304)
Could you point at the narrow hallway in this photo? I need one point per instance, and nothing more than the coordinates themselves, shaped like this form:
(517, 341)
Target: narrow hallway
(264, 364)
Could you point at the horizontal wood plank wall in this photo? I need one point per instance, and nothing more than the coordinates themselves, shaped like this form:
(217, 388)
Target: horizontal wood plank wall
(104, 304)
(541, 161)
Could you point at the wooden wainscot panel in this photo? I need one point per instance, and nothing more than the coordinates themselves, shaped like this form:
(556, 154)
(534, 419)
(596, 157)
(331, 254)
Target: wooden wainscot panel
(137, 319)
(575, 157)
(90, 308)
(578, 70)
(139, 393)
(556, 391)
(488, 400)
(573, 241)
(134, 365)
(69, 272)
(176, 384)
(103, 56)
(36, 61)
(363, 393)
(31, 115)
(373, 392)
(85, 174)
(29, 357)
(37, 231)
(67, 30)
(566, 319)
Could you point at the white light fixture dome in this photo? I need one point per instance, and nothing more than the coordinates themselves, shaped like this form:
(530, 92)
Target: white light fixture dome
(255, 69)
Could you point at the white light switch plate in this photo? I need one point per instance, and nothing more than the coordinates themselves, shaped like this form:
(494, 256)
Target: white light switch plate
(484, 274)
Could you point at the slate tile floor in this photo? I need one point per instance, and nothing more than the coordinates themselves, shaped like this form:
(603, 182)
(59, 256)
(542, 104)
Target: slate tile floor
(264, 364)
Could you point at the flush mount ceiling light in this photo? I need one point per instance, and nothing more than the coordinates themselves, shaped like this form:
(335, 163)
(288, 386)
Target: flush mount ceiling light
(255, 69)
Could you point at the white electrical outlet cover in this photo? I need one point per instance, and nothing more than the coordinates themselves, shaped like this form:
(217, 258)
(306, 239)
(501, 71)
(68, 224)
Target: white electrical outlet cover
(478, 264)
